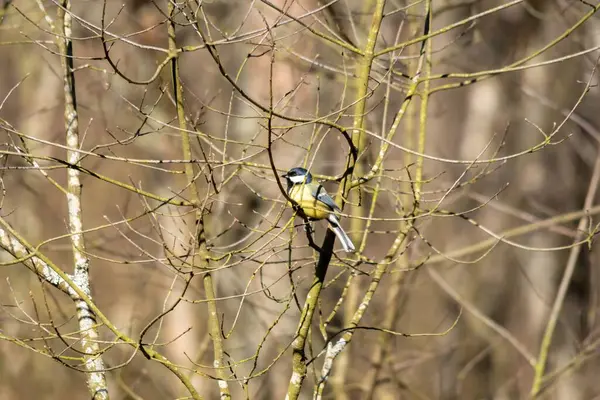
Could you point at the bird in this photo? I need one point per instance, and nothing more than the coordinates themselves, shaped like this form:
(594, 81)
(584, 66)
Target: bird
(315, 202)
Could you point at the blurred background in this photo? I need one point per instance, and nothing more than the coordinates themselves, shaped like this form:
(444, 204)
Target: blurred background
(533, 109)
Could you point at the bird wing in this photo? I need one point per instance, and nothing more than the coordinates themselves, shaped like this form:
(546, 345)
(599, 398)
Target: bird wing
(320, 194)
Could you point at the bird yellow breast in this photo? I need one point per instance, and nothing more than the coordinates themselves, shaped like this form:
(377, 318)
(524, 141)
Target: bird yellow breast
(313, 208)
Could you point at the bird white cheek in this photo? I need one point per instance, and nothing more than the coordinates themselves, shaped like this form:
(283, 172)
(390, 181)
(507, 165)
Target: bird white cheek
(297, 179)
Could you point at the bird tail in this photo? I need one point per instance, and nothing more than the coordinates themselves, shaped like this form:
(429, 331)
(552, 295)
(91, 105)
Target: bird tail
(341, 235)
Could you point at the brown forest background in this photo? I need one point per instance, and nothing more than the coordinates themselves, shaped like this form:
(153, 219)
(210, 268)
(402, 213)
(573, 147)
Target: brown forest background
(484, 244)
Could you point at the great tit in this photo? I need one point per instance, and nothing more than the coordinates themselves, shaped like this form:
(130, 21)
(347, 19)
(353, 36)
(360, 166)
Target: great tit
(315, 202)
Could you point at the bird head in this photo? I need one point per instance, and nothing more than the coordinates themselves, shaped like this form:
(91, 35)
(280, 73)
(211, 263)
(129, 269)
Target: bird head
(297, 176)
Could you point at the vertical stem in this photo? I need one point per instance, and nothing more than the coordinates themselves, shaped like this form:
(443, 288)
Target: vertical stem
(362, 81)
(200, 234)
(338, 380)
(425, 57)
(391, 315)
(392, 308)
(298, 354)
(96, 379)
(540, 365)
(364, 72)
(358, 139)
(426, 54)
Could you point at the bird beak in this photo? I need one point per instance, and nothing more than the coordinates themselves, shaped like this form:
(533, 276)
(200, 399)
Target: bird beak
(284, 175)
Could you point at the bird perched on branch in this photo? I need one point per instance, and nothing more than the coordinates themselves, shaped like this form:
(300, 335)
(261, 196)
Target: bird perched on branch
(315, 202)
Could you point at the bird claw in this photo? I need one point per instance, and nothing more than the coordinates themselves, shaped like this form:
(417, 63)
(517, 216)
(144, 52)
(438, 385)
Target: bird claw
(307, 228)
